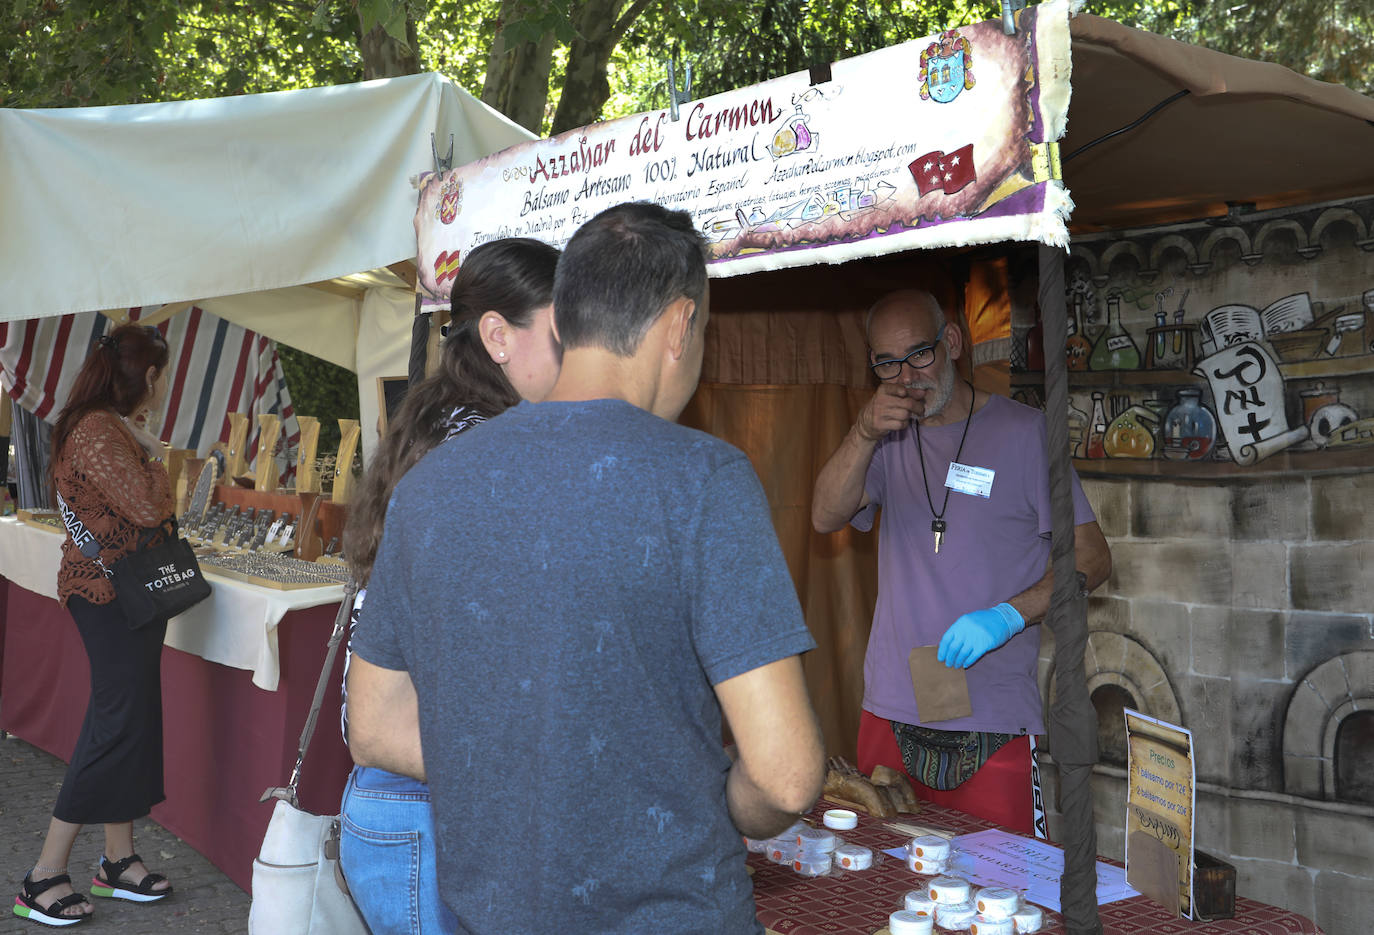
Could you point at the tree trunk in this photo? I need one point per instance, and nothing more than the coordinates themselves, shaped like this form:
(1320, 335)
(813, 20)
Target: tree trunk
(600, 25)
(517, 82)
(384, 57)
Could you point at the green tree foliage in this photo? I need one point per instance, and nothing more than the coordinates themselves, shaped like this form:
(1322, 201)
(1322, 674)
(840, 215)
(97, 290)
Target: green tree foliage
(615, 62)
(68, 53)
(321, 389)
(1330, 40)
(735, 43)
(564, 63)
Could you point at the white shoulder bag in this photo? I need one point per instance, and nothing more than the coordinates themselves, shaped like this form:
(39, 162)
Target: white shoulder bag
(298, 888)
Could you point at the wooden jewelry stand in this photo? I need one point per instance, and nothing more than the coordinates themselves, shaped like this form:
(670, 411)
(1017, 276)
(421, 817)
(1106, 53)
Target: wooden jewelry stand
(317, 519)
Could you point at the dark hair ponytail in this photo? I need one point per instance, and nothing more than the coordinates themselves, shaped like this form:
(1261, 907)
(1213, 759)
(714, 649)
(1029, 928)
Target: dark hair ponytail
(113, 376)
(512, 277)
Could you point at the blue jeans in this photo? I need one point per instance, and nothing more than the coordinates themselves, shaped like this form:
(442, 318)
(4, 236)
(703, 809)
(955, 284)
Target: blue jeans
(387, 850)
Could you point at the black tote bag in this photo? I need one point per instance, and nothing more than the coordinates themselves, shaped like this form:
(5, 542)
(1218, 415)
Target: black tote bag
(153, 582)
(158, 582)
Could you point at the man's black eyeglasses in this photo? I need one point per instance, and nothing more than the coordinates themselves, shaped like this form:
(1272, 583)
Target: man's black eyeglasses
(918, 359)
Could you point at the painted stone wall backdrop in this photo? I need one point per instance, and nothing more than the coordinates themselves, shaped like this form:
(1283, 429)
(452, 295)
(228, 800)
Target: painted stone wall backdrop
(1201, 349)
(1222, 415)
(1245, 612)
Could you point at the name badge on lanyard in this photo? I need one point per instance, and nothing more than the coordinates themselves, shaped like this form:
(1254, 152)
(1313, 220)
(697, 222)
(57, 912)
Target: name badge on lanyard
(964, 478)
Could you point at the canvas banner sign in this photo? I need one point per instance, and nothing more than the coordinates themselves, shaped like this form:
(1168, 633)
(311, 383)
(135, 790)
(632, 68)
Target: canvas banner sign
(939, 142)
(1160, 798)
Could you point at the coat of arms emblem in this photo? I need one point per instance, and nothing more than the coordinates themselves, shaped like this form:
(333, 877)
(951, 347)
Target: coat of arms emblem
(946, 67)
(450, 200)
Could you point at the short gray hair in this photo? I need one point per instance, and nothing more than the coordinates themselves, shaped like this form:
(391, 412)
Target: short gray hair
(938, 317)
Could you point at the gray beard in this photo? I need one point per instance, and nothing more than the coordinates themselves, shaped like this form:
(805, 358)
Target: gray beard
(937, 394)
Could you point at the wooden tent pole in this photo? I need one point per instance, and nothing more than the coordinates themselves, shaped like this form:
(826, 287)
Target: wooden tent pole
(1072, 720)
(420, 327)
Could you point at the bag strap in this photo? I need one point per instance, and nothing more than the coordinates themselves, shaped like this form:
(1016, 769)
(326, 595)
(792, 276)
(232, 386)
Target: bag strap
(88, 545)
(86, 542)
(288, 792)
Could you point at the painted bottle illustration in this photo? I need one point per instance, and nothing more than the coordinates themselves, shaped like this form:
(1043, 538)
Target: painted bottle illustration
(1115, 349)
(1190, 429)
(1078, 430)
(1097, 428)
(1077, 347)
(793, 136)
(1131, 434)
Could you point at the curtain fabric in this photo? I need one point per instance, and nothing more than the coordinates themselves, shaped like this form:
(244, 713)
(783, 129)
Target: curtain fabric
(788, 432)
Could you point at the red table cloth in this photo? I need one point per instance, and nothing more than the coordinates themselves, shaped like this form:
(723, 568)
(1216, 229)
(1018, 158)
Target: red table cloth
(860, 902)
(224, 739)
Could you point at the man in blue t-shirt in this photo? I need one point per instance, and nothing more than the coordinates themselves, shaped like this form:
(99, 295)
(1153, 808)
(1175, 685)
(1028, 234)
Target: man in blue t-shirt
(575, 592)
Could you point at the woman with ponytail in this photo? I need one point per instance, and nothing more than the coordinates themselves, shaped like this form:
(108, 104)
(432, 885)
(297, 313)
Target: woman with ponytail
(108, 476)
(500, 349)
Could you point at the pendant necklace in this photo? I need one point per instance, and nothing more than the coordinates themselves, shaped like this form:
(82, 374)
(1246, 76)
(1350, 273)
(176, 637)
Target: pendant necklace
(938, 524)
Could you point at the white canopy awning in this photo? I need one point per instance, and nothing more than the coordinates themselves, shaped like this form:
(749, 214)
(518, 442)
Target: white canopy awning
(110, 207)
(279, 212)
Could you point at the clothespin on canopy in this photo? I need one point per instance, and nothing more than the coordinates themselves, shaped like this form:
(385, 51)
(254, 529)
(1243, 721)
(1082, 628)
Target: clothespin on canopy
(445, 163)
(1009, 10)
(676, 97)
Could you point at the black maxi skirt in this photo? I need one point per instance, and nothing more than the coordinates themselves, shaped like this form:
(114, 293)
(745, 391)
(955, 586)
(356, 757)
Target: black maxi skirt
(115, 773)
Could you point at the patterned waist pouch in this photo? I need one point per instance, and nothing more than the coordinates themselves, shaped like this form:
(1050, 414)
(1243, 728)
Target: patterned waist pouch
(943, 759)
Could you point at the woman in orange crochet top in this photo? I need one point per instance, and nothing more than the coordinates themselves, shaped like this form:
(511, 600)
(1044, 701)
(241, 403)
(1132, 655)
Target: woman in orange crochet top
(107, 473)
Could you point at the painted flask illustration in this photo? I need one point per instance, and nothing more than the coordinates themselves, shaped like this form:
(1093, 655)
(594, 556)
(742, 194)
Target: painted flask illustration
(1132, 434)
(1114, 349)
(1190, 429)
(794, 136)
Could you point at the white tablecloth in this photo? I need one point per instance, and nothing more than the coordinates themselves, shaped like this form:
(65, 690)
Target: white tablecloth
(236, 627)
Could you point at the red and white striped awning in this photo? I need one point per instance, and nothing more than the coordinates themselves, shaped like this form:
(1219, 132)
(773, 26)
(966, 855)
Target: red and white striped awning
(215, 368)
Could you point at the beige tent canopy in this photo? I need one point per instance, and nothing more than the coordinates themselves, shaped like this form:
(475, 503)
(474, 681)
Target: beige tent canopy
(1246, 132)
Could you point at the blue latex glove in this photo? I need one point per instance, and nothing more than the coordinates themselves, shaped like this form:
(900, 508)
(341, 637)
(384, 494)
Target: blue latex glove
(978, 632)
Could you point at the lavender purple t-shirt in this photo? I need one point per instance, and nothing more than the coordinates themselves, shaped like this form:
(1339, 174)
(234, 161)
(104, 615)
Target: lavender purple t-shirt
(993, 549)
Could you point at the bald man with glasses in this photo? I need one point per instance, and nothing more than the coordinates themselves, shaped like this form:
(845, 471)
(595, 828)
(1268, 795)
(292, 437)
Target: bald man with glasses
(962, 477)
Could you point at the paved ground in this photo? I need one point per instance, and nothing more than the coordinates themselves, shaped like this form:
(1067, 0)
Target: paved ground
(205, 901)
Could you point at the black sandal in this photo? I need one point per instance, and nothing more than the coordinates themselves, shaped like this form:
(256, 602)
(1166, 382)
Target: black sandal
(26, 903)
(113, 885)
